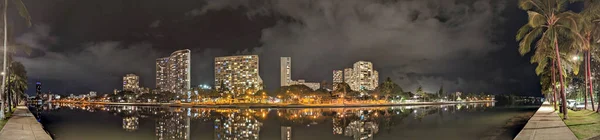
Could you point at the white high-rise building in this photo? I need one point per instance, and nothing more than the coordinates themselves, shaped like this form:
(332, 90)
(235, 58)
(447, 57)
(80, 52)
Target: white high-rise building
(361, 77)
(338, 77)
(131, 82)
(348, 77)
(173, 72)
(237, 74)
(286, 75)
(285, 71)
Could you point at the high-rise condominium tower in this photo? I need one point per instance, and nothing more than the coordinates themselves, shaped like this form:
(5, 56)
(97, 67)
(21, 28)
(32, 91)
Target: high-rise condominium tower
(338, 77)
(237, 74)
(131, 82)
(286, 75)
(361, 77)
(173, 72)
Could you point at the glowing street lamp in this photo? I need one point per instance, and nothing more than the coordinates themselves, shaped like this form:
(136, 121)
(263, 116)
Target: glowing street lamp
(575, 58)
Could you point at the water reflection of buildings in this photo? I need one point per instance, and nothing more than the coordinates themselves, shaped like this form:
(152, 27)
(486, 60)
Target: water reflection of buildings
(286, 133)
(360, 130)
(358, 124)
(130, 123)
(237, 126)
(173, 125)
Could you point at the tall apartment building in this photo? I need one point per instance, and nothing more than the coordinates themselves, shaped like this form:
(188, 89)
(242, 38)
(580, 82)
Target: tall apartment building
(348, 77)
(338, 77)
(285, 71)
(361, 77)
(38, 88)
(131, 82)
(237, 74)
(286, 75)
(173, 72)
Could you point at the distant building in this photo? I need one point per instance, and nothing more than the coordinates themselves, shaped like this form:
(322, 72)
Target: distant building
(38, 88)
(173, 72)
(115, 91)
(338, 77)
(285, 71)
(236, 74)
(131, 82)
(313, 86)
(286, 75)
(361, 77)
(92, 94)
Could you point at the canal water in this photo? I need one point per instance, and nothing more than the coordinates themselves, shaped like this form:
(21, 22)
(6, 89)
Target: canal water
(460, 122)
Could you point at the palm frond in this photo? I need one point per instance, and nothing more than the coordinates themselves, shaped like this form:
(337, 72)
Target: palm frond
(524, 30)
(536, 19)
(23, 12)
(525, 44)
(526, 4)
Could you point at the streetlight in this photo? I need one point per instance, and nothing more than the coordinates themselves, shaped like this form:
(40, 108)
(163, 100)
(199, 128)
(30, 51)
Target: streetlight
(575, 58)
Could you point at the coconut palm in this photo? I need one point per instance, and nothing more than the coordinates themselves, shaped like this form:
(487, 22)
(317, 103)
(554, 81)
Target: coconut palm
(17, 82)
(587, 25)
(548, 21)
(23, 12)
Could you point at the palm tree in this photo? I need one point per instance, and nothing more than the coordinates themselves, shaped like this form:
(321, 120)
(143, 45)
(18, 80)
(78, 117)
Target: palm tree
(343, 88)
(549, 22)
(18, 81)
(23, 12)
(587, 25)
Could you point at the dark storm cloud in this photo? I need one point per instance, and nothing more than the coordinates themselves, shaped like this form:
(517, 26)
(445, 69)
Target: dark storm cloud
(406, 40)
(100, 66)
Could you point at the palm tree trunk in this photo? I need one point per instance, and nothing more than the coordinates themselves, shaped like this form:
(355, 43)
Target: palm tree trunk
(554, 84)
(589, 72)
(587, 76)
(9, 91)
(4, 64)
(560, 76)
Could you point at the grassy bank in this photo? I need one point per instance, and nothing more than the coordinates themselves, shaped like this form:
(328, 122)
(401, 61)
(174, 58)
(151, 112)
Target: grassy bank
(7, 116)
(585, 123)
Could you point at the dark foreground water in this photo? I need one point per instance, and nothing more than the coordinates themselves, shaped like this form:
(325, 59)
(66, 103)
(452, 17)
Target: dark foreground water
(465, 121)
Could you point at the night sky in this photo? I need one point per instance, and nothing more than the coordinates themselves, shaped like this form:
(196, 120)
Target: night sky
(464, 45)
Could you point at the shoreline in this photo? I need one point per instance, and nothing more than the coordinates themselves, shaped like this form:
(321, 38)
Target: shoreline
(254, 105)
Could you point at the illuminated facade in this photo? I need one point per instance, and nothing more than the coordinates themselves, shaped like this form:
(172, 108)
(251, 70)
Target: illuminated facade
(173, 72)
(286, 75)
(361, 77)
(237, 74)
(338, 77)
(131, 82)
(286, 71)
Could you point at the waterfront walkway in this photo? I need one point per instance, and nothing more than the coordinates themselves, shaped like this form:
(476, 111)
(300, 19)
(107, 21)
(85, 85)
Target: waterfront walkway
(546, 125)
(22, 125)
